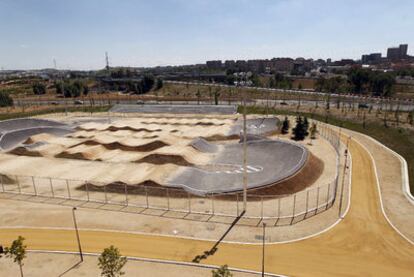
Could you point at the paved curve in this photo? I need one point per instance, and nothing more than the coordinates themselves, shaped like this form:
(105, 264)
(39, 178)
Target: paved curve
(269, 162)
(363, 244)
(16, 131)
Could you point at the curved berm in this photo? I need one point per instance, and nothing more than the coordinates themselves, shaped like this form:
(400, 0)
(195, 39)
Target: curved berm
(269, 162)
(16, 131)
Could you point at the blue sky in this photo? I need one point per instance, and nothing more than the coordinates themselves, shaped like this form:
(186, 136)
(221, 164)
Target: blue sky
(159, 32)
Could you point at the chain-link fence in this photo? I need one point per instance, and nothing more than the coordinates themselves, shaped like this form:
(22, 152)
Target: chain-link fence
(284, 209)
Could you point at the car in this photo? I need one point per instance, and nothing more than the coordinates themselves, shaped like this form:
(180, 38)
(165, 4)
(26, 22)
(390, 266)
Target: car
(54, 103)
(283, 103)
(78, 102)
(363, 106)
(140, 102)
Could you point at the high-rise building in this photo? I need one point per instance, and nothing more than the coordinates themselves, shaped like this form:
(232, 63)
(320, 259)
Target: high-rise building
(397, 53)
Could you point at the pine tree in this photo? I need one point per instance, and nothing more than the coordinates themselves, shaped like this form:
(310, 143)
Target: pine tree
(299, 132)
(285, 126)
(306, 126)
(313, 131)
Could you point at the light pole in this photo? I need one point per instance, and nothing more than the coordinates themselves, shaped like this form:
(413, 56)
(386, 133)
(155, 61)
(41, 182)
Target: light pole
(77, 233)
(240, 83)
(263, 249)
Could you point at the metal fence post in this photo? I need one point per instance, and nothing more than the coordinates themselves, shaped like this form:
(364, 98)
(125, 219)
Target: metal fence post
(212, 204)
(126, 194)
(2, 182)
(67, 186)
(18, 185)
(307, 201)
(237, 204)
(317, 200)
(327, 196)
(261, 212)
(189, 202)
(294, 206)
(87, 190)
(146, 196)
(34, 185)
(106, 197)
(168, 199)
(278, 207)
(51, 187)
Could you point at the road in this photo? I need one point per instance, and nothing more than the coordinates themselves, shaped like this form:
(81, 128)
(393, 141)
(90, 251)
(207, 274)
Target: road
(363, 244)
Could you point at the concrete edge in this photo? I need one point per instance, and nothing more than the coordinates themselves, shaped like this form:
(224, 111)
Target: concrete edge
(152, 260)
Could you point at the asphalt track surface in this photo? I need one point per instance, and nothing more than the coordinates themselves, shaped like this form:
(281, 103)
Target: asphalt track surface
(269, 162)
(362, 244)
(16, 131)
(175, 109)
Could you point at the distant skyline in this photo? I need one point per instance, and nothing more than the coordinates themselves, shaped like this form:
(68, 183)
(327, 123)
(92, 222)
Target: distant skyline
(77, 33)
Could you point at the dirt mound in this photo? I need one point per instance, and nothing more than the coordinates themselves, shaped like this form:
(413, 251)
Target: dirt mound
(125, 128)
(185, 124)
(147, 187)
(75, 156)
(311, 171)
(23, 151)
(154, 145)
(159, 159)
(221, 137)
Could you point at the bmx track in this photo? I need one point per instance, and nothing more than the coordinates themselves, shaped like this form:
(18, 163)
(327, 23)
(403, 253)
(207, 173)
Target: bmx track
(362, 244)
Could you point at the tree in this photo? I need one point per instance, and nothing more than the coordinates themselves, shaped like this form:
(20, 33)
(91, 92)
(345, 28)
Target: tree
(17, 252)
(85, 90)
(159, 84)
(5, 99)
(216, 96)
(147, 83)
(313, 131)
(39, 88)
(223, 271)
(410, 117)
(300, 87)
(198, 94)
(306, 125)
(299, 132)
(111, 262)
(285, 126)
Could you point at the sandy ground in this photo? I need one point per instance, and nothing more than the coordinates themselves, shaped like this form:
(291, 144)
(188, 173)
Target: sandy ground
(399, 210)
(48, 264)
(363, 244)
(35, 212)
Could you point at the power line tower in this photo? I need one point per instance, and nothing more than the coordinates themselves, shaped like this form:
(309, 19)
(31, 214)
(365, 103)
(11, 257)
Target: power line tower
(54, 63)
(107, 61)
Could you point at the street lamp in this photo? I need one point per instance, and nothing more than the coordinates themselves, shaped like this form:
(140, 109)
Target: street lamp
(242, 80)
(263, 249)
(77, 233)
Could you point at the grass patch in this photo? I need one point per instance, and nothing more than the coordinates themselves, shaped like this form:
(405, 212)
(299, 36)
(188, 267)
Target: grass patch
(398, 139)
(88, 109)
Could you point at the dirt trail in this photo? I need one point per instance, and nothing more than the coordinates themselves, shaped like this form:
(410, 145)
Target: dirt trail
(363, 244)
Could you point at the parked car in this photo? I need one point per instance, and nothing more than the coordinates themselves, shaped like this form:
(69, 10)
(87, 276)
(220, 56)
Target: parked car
(140, 102)
(54, 103)
(78, 102)
(363, 106)
(283, 103)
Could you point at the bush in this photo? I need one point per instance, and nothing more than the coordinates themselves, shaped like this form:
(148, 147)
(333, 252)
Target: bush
(39, 88)
(285, 126)
(5, 100)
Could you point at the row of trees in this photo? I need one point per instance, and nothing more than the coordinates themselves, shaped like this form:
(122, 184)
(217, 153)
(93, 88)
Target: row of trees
(301, 130)
(359, 81)
(74, 88)
(110, 262)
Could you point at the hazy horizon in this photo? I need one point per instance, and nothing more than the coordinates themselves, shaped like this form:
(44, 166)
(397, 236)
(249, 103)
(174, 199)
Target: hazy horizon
(176, 32)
